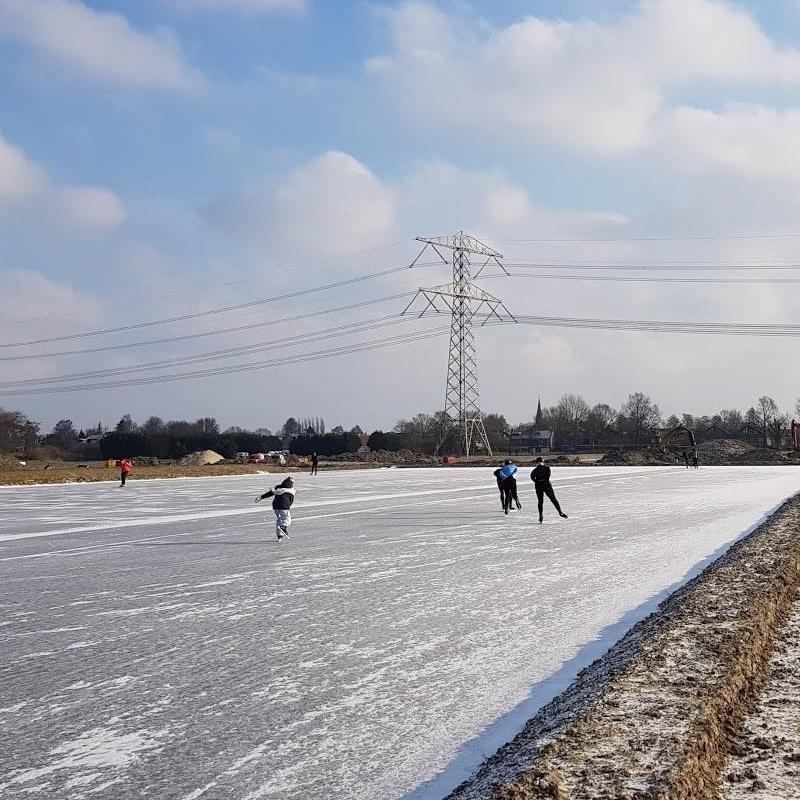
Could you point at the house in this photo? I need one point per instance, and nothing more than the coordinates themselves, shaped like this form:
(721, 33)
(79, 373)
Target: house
(711, 433)
(754, 434)
(527, 439)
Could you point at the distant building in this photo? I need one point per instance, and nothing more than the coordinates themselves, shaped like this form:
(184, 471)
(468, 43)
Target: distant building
(532, 438)
(711, 433)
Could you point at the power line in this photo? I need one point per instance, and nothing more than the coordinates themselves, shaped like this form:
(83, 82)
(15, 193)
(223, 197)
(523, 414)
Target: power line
(202, 334)
(709, 237)
(627, 279)
(213, 287)
(659, 266)
(658, 326)
(348, 329)
(210, 312)
(242, 368)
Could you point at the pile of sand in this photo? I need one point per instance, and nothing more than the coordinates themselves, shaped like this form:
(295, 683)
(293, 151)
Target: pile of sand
(722, 451)
(201, 457)
(648, 456)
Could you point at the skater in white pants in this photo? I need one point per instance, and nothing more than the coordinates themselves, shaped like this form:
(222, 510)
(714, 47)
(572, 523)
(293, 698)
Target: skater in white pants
(283, 497)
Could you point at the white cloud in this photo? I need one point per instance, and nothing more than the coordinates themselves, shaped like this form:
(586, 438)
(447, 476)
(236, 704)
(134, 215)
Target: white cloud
(752, 141)
(334, 204)
(329, 206)
(103, 45)
(294, 6)
(79, 206)
(19, 177)
(597, 88)
(91, 207)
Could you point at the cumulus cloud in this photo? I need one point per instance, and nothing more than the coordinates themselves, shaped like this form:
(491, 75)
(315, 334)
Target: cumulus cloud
(597, 88)
(91, 207)
(103, 45)
(79, 206)
(19, 177)
(753, 141)
(334, 204)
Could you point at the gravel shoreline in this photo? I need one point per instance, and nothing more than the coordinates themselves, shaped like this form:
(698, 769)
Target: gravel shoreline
(661, 713)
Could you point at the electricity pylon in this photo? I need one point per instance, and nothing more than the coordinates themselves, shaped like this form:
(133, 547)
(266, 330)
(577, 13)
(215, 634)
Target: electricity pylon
(463, 300)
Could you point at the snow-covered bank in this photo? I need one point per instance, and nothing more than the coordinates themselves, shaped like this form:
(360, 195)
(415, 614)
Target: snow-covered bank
(655, 717)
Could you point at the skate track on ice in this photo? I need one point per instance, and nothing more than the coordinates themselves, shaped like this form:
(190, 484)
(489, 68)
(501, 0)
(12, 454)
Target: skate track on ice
(158, 642)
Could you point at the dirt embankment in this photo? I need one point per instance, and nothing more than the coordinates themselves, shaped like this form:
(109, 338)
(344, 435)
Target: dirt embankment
(75, 474)
(659, 714)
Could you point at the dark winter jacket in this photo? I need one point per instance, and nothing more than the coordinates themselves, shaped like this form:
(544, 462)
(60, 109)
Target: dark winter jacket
(497, 474)
(541, 475)
(283, 496)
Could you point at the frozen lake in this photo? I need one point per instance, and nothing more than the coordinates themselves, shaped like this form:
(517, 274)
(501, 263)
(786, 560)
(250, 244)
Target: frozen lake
(158, 642)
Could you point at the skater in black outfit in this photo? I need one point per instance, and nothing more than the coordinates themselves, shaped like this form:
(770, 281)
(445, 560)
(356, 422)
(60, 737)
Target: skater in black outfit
(541, 482)
(497, 474)
(283, 497)
(314, 463)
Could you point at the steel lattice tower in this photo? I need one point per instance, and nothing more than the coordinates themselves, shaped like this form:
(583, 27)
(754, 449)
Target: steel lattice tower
(463, 299)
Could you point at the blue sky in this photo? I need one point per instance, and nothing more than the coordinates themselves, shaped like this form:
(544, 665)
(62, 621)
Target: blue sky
(167, 147)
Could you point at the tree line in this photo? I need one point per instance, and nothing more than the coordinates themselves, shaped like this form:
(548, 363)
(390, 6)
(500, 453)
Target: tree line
(577, 424)
(573, 421)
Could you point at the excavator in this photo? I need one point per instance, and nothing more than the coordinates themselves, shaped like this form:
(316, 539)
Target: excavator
(679, 438)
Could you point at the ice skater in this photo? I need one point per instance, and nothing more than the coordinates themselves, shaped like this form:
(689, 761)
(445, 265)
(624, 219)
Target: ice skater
(283, 497)
(124, 471)
(541, 482)
(498, 475)
(314, 463)
(509, 486)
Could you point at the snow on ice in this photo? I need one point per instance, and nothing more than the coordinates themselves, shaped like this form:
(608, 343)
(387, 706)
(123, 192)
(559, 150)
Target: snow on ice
(159, 638)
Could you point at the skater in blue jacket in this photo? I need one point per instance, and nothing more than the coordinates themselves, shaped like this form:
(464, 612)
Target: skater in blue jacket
(508, 483)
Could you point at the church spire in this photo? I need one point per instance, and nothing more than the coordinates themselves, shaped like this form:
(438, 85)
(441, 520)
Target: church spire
(538, 423)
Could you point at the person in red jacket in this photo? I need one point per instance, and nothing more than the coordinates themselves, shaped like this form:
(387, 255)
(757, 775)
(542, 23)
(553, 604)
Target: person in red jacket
(124, 471)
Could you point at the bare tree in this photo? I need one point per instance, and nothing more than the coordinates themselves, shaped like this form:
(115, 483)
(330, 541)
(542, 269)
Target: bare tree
(766, 410)
(777, 427)
(731, 419)
(496, 428)
(572, 409)
(797, 407)
(207, 425)
(599, 421)
(64, 434)
(154, 425)
(12, 431)
(125, 425)
(640, 414)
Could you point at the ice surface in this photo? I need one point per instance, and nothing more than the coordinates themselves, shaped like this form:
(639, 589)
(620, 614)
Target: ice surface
(160, 641)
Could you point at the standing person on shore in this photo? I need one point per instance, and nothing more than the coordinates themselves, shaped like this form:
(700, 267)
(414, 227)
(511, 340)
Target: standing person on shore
(314, 463)
(541, 482)
(124, 471)
(508, 472)
(283, 497)
(694, 457)
(686, 458)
